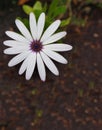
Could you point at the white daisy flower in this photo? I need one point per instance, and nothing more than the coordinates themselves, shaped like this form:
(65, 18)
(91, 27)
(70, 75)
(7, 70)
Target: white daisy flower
(35, 47)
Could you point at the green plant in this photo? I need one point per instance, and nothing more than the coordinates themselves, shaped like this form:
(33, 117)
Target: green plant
(56, 10)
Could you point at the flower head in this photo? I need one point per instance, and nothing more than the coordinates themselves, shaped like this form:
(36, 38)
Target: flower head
(35, 47)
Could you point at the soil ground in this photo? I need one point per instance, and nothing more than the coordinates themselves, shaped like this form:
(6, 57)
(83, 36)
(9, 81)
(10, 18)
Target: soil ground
(72, 101)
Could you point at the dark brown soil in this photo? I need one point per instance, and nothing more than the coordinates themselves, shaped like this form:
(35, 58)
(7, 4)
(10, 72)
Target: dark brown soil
(72, 101)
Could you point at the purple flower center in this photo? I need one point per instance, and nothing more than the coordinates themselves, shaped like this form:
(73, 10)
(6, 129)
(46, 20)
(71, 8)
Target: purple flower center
(36, 46)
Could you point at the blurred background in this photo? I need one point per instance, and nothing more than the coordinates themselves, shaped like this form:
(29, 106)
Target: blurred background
(72, 101)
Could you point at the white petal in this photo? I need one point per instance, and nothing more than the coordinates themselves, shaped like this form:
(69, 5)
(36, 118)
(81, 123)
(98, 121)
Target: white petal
(16, 36)
(50, 30)
(41, 67)
(33, 26)
(31, 65)
(17, 59)
(48, 62)
(58, 47)
(55, 37)
(22, 28)
(12, 43)
(55, 56)
(16, 50)
(23, 66)
(40, 25)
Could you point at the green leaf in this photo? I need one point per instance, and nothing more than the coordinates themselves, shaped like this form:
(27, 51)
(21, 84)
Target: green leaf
(47, 23)
(37, 6)
(52, 7)
(59, 10)
(65, 22)
(27, 9)
(45, 7)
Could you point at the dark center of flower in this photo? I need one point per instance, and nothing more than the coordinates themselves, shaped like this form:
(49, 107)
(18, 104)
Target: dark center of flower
(36, 46)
